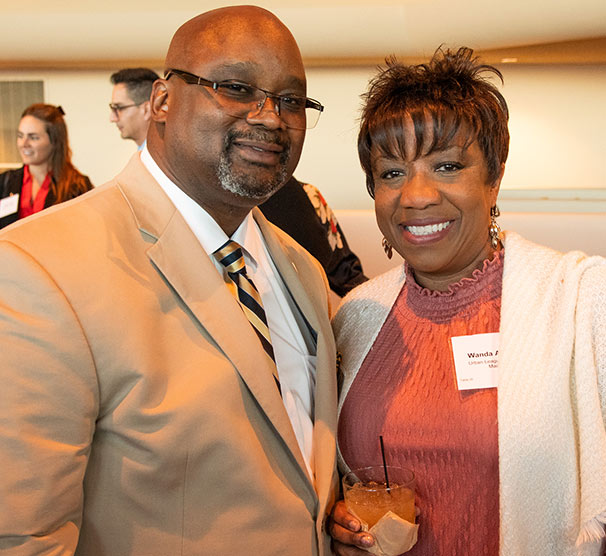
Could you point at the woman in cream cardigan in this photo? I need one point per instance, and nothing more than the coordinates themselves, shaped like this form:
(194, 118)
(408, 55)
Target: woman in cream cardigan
(482, 360)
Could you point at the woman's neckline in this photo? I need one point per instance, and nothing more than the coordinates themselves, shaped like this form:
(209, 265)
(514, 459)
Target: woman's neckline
(494, 260)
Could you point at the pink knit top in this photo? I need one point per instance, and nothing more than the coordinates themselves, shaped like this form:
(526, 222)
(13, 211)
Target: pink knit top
(406, 390)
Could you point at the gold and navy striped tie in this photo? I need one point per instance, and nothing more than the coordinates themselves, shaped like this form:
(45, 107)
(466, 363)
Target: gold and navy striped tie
(244, 290)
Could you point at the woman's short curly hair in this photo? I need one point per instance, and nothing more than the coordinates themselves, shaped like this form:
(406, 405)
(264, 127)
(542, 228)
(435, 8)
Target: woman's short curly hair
(452, 92)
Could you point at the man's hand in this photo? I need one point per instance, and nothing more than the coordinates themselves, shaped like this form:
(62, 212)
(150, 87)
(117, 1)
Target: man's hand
(346, 533)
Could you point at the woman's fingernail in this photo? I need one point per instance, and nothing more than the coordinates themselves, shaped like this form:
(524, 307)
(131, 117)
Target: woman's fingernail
(353, 525)
(367, 540)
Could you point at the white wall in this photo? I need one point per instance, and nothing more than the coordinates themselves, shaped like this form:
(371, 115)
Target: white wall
(558, 118)
(557, 124)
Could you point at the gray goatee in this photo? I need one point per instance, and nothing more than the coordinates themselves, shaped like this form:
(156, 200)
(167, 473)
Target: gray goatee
(243, 184)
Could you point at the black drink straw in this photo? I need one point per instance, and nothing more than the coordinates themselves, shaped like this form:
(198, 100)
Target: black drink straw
(384, 463)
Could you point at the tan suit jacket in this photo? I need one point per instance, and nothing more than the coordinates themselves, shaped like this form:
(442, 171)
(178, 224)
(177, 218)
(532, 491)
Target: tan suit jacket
(138, 414)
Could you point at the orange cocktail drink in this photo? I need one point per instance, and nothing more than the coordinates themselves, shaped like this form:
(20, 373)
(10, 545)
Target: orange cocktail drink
(368, 497)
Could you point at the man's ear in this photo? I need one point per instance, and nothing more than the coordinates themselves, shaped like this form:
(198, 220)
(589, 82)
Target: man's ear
(159, 100)
(146, 110)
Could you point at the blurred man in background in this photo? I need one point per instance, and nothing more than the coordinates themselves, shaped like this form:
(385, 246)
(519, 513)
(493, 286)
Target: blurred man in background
(129, 108)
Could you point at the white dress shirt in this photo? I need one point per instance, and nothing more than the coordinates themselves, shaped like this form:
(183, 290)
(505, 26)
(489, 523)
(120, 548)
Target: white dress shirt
(294, 349)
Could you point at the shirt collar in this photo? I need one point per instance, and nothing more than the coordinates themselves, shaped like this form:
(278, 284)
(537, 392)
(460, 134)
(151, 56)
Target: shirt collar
(205, 228)
(27, 176)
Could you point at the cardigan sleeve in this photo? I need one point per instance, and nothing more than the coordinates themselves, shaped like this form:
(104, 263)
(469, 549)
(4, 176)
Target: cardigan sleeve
(589, 388)
(599, 336)
(591, 326)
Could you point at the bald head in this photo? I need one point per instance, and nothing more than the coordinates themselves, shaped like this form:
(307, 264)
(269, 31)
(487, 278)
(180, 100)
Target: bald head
(223, 29)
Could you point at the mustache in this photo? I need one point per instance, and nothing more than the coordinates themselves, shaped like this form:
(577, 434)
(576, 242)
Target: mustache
(263, 135)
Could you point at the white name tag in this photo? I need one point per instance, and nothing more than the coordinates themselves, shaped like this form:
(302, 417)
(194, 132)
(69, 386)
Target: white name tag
(475, 359)
(9, 205)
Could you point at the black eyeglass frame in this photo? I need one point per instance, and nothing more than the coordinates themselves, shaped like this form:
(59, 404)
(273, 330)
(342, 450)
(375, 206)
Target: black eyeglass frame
(117, 108)
(193, 79)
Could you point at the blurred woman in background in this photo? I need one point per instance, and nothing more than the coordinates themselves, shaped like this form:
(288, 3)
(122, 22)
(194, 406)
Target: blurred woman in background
(47, 176)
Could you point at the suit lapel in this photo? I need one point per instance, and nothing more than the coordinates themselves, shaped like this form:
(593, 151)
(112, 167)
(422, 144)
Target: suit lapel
(178, 256)
(325, 395)
(289, 272)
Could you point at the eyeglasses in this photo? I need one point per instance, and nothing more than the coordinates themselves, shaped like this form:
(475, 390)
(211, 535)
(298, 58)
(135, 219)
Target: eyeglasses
(239, 99)
(115, 109)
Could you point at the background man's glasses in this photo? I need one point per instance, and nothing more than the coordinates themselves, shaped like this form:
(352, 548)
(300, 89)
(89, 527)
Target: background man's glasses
(115, 109)
(239, 99)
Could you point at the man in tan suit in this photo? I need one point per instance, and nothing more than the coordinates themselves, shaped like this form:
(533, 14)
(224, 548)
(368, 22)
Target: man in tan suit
(141, 413)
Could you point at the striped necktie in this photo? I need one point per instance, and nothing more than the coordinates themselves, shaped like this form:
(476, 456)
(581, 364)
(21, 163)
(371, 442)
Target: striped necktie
(244, 290)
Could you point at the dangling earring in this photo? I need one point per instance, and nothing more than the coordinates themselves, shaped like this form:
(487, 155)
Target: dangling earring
(494, 230)
(387, 248)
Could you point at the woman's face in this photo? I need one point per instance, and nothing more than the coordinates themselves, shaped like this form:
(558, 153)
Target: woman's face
(33, 141)
(435, 210)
